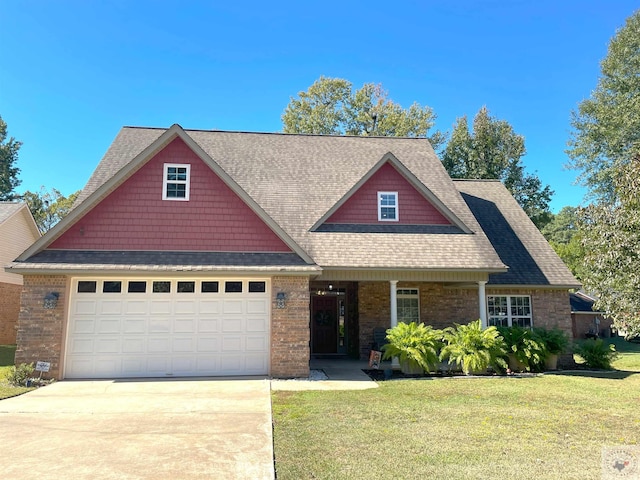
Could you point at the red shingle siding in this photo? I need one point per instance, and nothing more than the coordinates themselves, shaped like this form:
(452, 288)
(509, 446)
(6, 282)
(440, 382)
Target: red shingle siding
(134, 216)
(413, 208)
(9, 310)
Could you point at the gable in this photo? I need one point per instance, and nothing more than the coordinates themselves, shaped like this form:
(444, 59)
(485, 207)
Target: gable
(362, 206)
(135, 217)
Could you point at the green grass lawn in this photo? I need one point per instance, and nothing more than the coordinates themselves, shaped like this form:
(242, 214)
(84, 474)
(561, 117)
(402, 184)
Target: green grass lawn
(545, 427)
(7, 356)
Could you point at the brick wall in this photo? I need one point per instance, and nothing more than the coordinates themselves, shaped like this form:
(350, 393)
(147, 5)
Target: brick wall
(441, 307)
(290, 328)
(9, 311)
(40, 331)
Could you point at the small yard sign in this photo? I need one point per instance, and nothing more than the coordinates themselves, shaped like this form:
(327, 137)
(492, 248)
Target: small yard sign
(42, 366)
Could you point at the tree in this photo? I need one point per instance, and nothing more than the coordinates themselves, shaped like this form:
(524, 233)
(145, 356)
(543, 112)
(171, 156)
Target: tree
(48, 208)
(564, 236)
(611, 241)
(331, 107)
(8, 171)
(492, 150)
(606, 126)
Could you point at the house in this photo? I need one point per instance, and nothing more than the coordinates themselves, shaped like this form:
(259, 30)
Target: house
(195, 252)
(585, 321)
(18, 231)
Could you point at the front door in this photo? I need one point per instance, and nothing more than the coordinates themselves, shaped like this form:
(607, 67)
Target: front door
(324, 324)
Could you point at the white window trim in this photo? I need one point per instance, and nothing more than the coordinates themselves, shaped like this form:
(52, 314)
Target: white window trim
(415, 294)
(165, 181)
(509, 316)
(397, 207)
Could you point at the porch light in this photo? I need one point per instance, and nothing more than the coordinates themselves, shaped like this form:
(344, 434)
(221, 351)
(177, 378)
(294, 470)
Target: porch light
(281, 298)
(51, 300)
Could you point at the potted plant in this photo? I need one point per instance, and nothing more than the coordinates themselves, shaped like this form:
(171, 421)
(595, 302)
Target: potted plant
(525, 350)
(555, 342)
(415, 345)
(473, 348)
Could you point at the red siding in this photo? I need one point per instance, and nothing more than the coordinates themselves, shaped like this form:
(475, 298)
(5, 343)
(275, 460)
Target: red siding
(413, 207)
(134, 216)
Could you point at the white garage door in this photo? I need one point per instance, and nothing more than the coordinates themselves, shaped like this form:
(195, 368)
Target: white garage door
(136, 327)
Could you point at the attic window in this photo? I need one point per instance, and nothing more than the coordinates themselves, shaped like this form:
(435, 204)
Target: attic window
(176, 182)
(388, 206)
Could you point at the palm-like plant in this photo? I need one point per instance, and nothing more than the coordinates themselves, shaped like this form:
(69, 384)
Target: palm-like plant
(524, 346)
(473, 348)
(415, 345)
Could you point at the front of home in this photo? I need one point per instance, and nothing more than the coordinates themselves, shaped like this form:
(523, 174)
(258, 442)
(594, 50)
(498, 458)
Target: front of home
(207, 253)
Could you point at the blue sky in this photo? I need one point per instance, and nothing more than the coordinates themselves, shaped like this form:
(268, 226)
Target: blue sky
(74, 72)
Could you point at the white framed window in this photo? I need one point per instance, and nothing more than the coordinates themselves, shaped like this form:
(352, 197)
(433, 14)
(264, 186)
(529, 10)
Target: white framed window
(509, 310)
(388, 206)
(408, 305)
(175, 185)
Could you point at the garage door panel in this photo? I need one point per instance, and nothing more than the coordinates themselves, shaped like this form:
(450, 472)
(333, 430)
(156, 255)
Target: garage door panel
(184, 325)
(83, 325)
(208, 344)
(159, 345)
(209, 306)
(108, 325)
(107, 345)
(208, 325)
(232, 306)
(85, 307)
(110, 307)
(134, 345)
(183, 345)
(160, 325)
(136, 307)
(134, 325)
(150, 334)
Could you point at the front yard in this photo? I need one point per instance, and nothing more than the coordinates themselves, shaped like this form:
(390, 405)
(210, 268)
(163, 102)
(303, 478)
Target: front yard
(547, 427)
(7, 355)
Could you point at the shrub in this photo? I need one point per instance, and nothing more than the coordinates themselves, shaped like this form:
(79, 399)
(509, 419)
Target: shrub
(596, 354)
(555, 340)
(19, 375)
(472, 348)
(414, 344)
(525, 346)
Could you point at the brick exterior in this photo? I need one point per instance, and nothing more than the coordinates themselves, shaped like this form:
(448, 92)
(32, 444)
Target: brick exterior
(41, 332)
(290, 328)
(441, 307)
(134, 216)
(9, 311)
(413, 208)
(584, 323)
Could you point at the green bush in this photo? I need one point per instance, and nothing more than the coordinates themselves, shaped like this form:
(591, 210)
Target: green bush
(555, 340)
(473, 348)
(596, 354)
(525, 346)
(414, 344)
(19, 375)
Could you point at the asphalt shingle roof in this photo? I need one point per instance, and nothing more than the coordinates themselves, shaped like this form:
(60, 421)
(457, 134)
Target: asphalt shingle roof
(516, 239)
(7, 209)
(297, 179)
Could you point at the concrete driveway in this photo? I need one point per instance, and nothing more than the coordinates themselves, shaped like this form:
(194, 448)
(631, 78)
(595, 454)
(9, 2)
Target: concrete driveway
(145, 429)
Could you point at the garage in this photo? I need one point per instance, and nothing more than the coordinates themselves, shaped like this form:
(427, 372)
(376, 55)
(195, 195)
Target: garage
(167, 327)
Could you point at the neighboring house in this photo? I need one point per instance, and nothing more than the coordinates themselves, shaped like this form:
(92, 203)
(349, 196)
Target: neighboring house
(18, 231)
(585, 322)
(225, 253)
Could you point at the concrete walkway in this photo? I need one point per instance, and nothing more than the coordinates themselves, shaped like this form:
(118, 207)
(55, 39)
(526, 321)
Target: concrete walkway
(343, 374)
(145, 429)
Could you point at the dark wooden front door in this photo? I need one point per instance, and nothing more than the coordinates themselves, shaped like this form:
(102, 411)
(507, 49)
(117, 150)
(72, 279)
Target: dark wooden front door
(324, 324)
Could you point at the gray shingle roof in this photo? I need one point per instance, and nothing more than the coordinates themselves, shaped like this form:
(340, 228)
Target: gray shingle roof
(297, 179)
(519, 243)
(7, 209)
